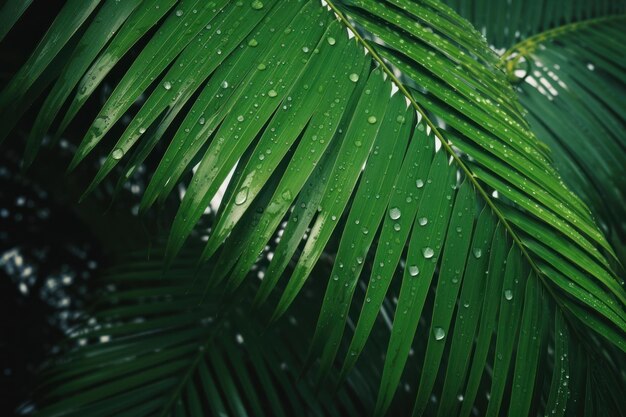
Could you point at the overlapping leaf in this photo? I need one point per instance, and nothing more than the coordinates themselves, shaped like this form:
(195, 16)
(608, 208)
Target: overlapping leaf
(574, 93)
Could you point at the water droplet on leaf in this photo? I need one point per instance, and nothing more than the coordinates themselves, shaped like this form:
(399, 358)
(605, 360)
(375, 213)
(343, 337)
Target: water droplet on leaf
(117, 153)
(241, 197)
(439, 333)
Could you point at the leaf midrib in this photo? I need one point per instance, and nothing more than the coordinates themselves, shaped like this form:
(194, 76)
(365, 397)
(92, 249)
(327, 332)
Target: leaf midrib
(445, 145)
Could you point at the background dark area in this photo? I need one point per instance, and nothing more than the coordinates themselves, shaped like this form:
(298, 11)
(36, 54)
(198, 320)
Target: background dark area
(46, 258)
(49, 245)
(46, 252)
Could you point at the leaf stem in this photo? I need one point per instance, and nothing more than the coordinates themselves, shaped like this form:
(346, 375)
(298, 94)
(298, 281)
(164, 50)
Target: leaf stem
(529, 44)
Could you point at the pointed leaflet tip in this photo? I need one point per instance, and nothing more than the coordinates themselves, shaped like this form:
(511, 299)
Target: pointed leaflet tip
(74, 163)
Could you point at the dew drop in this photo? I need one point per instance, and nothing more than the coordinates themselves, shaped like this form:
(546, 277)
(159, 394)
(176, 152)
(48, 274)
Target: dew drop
(179, 12)
(99, 125)
(439, 333)
(400, 119)
(354, 77)
(253, 42)
(224, 84)
(167, 85)
(423, 221)
(240, 118)
(261, 67)
(286, 195)
(428, 252)
(508, 294)
(305, 49)
(117, 153)
(371, 120)
(257, 5)
(478, 253)
(241, 196)
(396, 227)
(413, 270)
(394, 213)
(272, 93)
(331, 40)
(419, 183)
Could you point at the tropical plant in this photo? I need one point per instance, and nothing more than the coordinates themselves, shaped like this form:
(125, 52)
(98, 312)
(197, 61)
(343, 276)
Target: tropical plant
(380, 149)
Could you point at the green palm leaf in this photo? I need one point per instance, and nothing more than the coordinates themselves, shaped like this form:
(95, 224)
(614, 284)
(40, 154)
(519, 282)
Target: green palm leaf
(457, 180)
(149, 347)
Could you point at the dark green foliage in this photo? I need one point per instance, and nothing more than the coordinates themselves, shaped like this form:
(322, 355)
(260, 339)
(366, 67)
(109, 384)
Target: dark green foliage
(413, 166)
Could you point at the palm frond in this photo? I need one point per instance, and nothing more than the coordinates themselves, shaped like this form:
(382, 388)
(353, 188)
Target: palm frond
(149, 346)
(457, 180)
